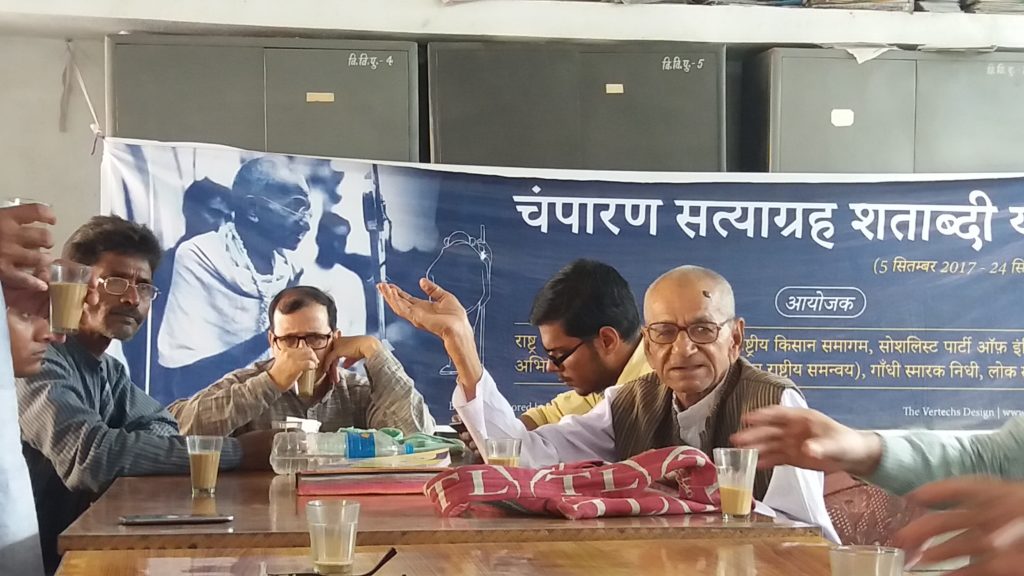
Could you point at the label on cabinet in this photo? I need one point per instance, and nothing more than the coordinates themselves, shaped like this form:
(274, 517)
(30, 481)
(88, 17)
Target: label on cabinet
(842, 117)
(324, 97)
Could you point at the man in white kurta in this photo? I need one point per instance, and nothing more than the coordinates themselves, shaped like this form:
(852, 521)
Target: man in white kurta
(692, 338)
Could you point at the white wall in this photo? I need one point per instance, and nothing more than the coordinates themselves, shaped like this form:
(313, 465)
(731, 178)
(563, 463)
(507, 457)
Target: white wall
(36, 159)
(517, 19)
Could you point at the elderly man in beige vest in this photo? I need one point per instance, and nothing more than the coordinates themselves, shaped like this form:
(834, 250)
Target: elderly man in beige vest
(696, 396)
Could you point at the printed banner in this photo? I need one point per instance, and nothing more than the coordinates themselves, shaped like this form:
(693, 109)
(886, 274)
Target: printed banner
(891, 304)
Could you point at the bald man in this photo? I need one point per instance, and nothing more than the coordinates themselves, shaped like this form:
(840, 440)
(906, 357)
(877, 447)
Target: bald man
(223, 281)
(696, 396)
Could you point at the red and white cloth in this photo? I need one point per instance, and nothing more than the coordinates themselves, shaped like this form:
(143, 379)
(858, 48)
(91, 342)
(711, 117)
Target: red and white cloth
(632, 487)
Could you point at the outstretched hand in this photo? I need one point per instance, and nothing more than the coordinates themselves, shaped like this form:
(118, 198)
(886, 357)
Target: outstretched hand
(441, 315)
(987, 513)
(807, 439)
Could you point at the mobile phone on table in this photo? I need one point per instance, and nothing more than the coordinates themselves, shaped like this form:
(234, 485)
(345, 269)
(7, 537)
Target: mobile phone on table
(150, 519)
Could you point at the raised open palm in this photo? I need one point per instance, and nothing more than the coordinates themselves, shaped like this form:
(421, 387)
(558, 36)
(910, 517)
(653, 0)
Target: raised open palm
(440, 315)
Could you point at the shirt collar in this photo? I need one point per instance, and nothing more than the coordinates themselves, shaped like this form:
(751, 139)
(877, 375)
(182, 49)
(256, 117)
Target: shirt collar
(702, 407)
(636, 366)
(692, 420)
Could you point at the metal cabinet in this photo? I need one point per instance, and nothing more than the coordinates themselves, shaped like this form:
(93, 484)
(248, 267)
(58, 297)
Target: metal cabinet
(818, 110)
(970, 113)
(508, 106)
(826, 113)
(188, 93)
(345, 98)
(636, 106)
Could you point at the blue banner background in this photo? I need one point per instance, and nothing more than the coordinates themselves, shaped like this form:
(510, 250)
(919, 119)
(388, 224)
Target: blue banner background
(424, 207)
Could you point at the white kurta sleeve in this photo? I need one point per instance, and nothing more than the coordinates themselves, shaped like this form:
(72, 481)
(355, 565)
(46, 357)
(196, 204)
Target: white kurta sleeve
(575, 438)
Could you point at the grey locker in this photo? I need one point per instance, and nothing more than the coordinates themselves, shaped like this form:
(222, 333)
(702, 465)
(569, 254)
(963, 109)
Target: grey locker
(970, 113)
(340, 103)
(827, 113)
(636, 115)
(629, 107)
(188, 93)
(347, 98)
(504, 107)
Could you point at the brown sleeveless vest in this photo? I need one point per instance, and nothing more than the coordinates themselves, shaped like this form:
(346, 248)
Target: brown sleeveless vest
(642, 416)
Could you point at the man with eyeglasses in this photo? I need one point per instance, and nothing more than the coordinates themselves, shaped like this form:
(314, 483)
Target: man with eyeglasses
(223, 281)
(699, 389)
(83, 422)
(590, 330)
(303, 336)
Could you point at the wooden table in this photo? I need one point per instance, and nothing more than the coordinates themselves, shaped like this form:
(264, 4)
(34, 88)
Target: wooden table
(648, 557)
(269, 515)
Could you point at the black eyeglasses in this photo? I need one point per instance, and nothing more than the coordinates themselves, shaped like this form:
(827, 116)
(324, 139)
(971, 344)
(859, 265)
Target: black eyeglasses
(312, 341)
(558, 361)
(698, 332)
(118, 286)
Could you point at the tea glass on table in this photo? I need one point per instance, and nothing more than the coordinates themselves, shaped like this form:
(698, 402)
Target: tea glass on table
(503, 451)
(332, 535)
(866, 561)
(204, 462)
(736, 468)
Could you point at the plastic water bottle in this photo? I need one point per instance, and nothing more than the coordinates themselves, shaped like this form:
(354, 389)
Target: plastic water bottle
(289, 454)
(296, 451)
(372, 444)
